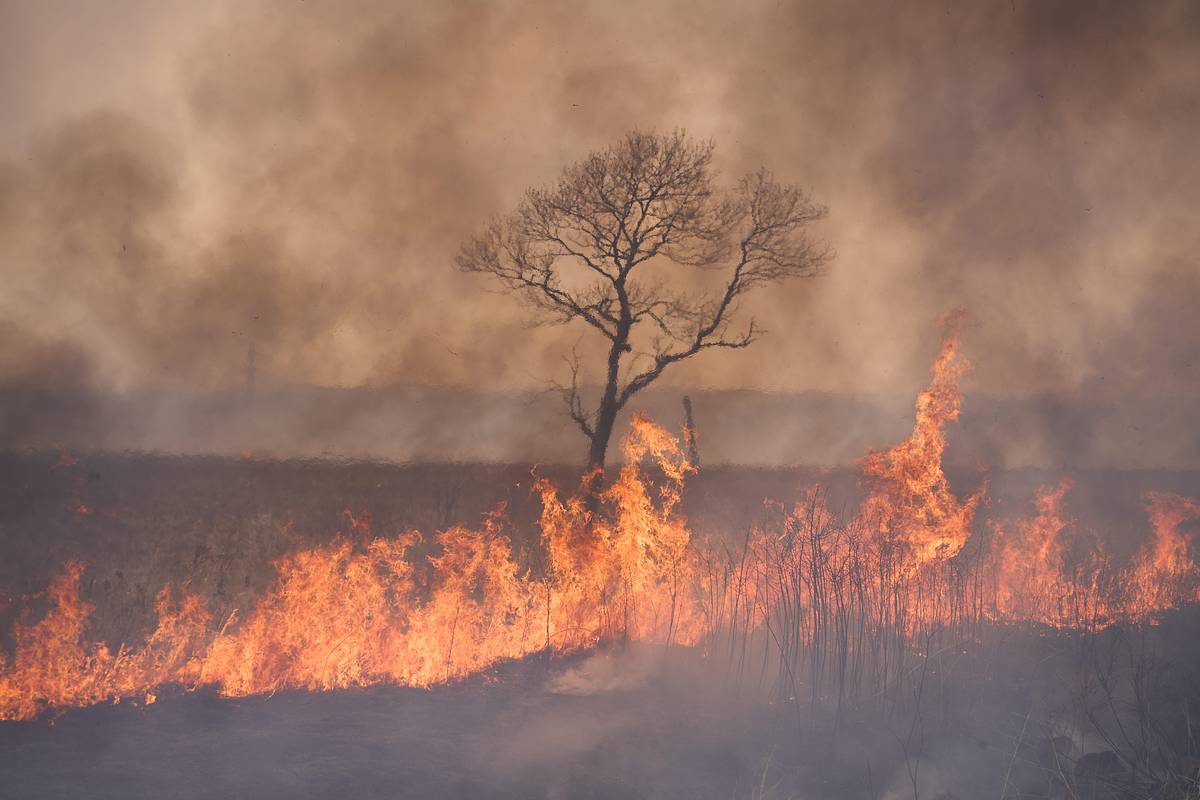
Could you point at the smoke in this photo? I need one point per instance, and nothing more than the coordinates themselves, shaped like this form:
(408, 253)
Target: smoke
(607, 671)
(177, 184)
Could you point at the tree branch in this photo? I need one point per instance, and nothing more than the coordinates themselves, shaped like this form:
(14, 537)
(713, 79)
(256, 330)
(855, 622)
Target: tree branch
(573, 251)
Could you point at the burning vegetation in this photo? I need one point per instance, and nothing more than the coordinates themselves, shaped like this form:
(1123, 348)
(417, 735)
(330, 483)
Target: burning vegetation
(836, 605)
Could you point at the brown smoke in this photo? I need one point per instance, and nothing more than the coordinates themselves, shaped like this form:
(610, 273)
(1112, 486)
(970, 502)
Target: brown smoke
(301, 175)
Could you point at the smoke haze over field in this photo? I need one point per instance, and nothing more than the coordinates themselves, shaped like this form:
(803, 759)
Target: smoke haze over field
(176, 183)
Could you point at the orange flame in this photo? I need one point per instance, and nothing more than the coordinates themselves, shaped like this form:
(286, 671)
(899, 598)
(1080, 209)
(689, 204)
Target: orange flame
(54, 667)
(1163, 573)
(910, 498)
(1036, 577)
(361, 610)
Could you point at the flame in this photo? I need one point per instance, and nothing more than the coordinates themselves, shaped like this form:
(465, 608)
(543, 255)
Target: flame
(1164, 573)
(1037, 576)
(54, 667)
(352, 613)
(911, 499)
(362, 609)
(329, 607)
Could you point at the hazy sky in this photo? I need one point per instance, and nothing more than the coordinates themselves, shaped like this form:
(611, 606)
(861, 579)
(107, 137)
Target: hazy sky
(176, 177)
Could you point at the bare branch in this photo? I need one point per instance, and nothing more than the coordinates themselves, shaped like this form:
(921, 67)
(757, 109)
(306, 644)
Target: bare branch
(571, 394)
(572, 251)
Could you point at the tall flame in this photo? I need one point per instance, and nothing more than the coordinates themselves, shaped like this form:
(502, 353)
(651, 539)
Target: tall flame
(1164, 573)
(911, 498)
(361, 610)
(1038, 578)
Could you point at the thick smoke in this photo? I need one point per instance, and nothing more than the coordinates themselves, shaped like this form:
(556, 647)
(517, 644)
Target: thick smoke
(179, 186)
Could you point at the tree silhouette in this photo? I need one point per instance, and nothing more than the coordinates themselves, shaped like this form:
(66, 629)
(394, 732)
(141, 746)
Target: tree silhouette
(604, 245)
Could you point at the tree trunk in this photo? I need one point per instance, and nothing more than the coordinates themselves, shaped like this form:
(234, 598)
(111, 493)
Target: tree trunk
(605, 420)
(606, 414)
(593, 476)
(689, 432)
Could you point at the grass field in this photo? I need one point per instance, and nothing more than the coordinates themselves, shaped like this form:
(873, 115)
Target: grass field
(627, 722)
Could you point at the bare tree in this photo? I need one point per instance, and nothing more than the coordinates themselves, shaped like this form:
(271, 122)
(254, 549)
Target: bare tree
(600, 246)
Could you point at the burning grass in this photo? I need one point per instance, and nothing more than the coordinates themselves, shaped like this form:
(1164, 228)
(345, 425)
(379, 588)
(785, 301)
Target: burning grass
(810, 602)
